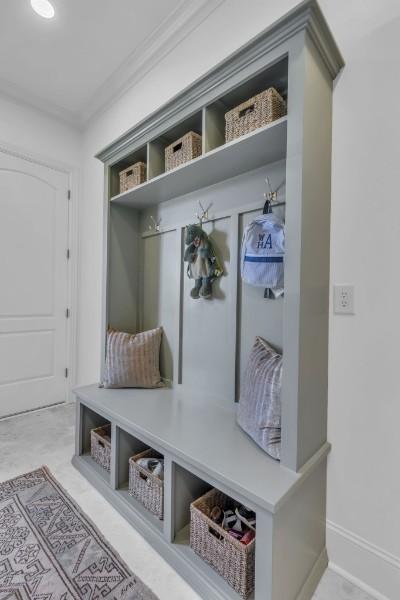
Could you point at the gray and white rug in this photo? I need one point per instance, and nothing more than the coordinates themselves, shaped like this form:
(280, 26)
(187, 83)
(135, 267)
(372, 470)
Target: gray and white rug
(49, 550)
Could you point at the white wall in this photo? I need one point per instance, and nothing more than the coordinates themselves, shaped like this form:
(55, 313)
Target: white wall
(38, 134)
(364, 412)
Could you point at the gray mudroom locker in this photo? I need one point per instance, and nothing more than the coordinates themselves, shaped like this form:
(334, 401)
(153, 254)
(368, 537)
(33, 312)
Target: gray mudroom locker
(191, 421)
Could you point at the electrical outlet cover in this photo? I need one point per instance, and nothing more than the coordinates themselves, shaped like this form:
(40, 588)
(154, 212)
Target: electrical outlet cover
(344, 299)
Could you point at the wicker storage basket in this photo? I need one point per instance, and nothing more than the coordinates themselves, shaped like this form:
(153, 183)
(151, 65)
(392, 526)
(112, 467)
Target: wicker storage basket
(100, 446)
(234, 561)
(182, 150)
(132, 176)
(254, 113)
(146, 487)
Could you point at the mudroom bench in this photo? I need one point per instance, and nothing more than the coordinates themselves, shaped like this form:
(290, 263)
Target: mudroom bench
(203, 447)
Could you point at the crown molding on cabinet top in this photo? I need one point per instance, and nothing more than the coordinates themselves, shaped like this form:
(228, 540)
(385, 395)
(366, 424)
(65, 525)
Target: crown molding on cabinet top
(188, 15)
(306, 16)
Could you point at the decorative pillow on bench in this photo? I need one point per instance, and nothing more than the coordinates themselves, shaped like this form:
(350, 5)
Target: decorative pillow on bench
(259, 412)
(133, 359)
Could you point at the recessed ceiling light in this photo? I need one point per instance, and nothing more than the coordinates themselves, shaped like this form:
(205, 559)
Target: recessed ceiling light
(44, 8)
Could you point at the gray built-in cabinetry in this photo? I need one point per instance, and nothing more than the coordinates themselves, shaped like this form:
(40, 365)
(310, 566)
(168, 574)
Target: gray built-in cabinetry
(206, 343)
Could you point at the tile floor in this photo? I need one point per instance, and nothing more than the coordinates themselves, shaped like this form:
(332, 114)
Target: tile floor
(47, 437)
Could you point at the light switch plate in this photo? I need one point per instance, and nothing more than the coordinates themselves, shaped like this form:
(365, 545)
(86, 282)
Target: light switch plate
(343, 296)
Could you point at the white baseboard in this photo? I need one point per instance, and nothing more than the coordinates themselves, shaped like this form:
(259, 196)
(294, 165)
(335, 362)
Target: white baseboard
(367, 566)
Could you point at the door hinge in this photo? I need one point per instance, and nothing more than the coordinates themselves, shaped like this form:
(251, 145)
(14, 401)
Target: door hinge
(68, 253)
(69, 194)
(66, 372)
(67, 313)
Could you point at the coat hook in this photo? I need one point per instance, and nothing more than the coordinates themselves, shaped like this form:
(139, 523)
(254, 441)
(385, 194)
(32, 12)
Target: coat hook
(271, 195)
(203, 216)
(156, 224)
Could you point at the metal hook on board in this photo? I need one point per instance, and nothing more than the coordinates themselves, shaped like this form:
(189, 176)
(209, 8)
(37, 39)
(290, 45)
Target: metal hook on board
(271, 197)
(156, 224)
(203, 216)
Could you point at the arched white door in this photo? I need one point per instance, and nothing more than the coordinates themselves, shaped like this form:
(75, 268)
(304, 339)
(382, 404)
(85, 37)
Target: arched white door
(33, 285)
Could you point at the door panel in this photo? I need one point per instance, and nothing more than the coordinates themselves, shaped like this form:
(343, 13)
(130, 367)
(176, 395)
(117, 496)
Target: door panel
(33, 285)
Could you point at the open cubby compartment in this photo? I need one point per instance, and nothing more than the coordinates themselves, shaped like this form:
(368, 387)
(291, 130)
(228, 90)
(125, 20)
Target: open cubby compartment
(127, 445)
(142, 277)
(157, 146)
(276, 75)
(139, 155)
(91, 420)
(188, 487)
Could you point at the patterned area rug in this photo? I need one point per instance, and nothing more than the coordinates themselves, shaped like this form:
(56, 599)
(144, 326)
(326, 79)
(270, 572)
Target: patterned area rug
(49, 550)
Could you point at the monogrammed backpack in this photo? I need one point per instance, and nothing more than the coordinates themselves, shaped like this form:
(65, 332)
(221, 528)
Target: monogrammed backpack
(263, 250)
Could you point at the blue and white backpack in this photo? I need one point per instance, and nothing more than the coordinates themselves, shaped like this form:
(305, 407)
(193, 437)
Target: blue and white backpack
(263, 250)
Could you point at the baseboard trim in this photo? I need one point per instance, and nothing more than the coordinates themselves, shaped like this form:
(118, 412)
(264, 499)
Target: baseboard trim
(357, 582)
(372, 569)
(364, 544)
(311, 584)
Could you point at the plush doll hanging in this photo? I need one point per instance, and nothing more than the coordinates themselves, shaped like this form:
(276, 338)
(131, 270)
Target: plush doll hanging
(203, 264)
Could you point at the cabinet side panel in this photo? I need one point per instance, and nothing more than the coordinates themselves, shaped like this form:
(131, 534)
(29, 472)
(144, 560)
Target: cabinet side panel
(316, 213)
(299, 537)
(306, 309)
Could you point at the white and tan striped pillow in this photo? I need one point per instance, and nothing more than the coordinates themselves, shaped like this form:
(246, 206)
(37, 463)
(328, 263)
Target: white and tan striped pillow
(133, 360)
(259, 411)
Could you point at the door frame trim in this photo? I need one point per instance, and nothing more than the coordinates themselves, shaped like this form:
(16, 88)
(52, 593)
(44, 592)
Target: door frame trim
(74, 179)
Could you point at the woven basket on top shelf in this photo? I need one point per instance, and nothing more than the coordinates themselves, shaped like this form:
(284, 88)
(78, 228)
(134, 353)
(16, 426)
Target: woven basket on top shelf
(254, 113)
(146, 487)
(100, 446)
(132, 176)
(182, 150)
(234, 561)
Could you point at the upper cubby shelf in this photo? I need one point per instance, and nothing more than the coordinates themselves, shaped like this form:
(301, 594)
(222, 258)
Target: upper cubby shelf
(261, 147)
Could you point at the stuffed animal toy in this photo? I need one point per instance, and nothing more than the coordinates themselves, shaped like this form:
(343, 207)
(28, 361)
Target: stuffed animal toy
(203, 265)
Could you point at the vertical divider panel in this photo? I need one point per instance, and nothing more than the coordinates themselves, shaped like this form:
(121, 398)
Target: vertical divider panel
(140, 281)
(187, 487)
(214, 126)
(126, 446)
(169, 498)
(155, 159)
(78, 428)
(233, 298)
(105, 263)
(114, 466)
(179, 306)
(264, 557)
(203, 130)
(306, 303)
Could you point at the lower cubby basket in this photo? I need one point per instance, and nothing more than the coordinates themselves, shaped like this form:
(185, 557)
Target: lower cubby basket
(234, 561)
(145, 486)
(100, 446)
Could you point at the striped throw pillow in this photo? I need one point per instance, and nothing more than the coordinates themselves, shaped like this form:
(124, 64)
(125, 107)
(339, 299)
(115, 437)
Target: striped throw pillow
(259, 412)
(133, 360)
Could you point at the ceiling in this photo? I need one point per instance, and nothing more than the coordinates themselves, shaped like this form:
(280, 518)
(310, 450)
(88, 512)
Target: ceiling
(75, 64)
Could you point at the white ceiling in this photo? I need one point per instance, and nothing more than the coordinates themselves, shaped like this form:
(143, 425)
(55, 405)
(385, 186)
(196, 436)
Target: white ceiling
(77, 62)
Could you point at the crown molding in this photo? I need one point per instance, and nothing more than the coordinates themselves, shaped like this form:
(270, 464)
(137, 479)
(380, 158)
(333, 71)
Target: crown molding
(305, 17)
(24, 98)
(187, 16)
